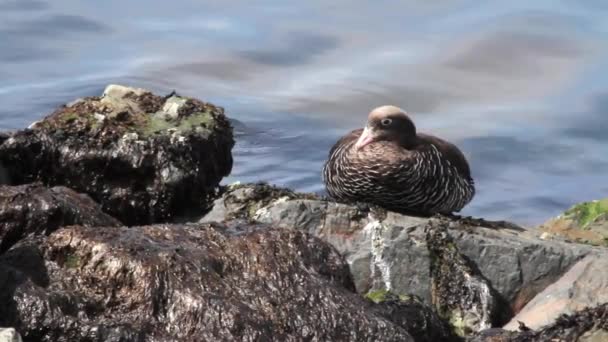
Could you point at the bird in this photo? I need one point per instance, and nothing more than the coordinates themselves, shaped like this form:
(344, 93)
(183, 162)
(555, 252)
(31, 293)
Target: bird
(389, 164)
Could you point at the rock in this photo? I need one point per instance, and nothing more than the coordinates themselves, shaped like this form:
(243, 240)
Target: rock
(9, 335)
(588, 325)
(140, 163)
(187, 282)
(584, 285)
(388, 251)
(585, 222)
(460, 294)
(412, 314)
(32, 209)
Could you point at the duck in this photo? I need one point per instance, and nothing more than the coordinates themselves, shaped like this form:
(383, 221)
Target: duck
(389, 164)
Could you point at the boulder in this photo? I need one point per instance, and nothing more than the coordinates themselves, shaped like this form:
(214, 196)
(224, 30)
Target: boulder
(205, 282)
(33, 209)
(585, 222)
(585, 285)
(389, 251)
(144, 158)
(588, 325)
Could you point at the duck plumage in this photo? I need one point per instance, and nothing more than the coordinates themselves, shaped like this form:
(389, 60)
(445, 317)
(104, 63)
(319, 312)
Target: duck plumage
(390, 165)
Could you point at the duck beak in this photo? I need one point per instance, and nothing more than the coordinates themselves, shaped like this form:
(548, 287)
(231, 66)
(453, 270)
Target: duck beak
(366, 137)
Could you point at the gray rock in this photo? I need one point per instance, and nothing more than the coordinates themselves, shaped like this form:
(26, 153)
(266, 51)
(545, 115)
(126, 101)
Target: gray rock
(142, 164)
(584, 285)
(389, 251)
(9, 335)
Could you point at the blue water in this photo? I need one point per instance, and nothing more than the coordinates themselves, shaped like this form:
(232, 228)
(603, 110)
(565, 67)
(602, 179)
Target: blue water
(520, 86)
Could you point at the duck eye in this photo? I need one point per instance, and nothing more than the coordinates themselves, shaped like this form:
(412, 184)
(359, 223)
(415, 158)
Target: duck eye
(386, 122)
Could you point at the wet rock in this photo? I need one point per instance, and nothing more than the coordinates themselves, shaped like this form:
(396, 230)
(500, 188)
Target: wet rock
(585, 222)
(184, 282)
(588, 325)
(584, 285)
(458, 291)
(33, 209)
(388, 251)
(9, 335)
(144, 158)
(419, 319)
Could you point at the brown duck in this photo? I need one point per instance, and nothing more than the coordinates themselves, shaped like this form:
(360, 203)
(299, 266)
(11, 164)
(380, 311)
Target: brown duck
(390, 165)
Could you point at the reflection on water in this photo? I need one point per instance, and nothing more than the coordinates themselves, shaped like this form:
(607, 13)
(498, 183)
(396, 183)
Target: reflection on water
(520, 87)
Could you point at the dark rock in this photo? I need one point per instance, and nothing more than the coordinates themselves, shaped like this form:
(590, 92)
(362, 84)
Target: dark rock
(186, 282)
(32, 209)
(458, 291)
(144, 158)
(419, 319)
(588, 325)
(389, 251)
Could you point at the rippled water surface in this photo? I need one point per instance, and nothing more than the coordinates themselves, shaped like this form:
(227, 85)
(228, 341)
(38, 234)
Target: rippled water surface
(520, 86)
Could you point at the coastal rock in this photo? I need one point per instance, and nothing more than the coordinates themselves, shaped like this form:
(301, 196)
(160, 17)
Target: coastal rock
(409, 312)
(9, 335)
(389, 251)
(585, 222)
(458, 291)
(584, 285)
(205, 282)
(32, 209)
(144, 158)
(588, 325)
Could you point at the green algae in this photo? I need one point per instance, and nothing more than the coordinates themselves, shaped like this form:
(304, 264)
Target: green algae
(588, 212)
(72, 261)
(379, 296)
(458, 323)
(131, 113)
(71, 116)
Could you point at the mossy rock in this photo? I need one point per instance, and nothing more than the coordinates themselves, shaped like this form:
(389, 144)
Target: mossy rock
(587, 213)
(121, 110)
(145, 158)
(585, 222)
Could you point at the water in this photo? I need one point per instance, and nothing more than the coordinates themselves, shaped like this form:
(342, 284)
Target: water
(520, 87)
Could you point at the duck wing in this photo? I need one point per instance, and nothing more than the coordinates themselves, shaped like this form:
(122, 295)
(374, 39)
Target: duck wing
(449, 151)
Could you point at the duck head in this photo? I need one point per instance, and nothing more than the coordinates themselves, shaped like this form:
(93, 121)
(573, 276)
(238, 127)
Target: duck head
(388, 123)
